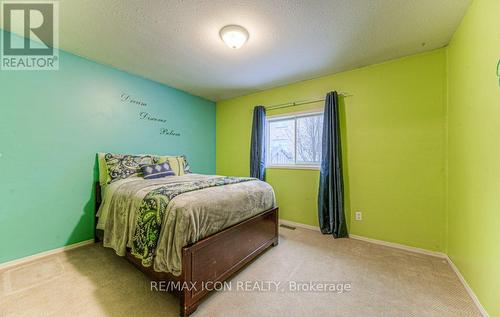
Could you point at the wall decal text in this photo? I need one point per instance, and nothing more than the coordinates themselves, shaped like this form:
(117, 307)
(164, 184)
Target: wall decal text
(127, 98)
(144, 115)
(147, 116)
(167, 131)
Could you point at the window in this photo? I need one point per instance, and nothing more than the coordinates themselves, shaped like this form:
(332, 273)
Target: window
(294, 140)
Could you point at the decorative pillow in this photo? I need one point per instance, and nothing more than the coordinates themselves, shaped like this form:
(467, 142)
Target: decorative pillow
(121, 166)
(157, 170)
(176, 163)
(103, 169)
(187, 167)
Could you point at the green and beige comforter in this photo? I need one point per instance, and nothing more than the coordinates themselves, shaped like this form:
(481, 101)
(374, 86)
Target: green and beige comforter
(157, 218)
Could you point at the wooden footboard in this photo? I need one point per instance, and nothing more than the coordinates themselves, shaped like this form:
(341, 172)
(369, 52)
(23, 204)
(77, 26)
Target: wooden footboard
(215, 258)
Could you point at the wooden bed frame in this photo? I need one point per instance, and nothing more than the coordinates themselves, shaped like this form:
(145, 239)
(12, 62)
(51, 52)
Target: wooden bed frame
(213, 259)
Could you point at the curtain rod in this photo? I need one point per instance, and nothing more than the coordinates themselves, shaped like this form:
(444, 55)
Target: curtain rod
(301, 103)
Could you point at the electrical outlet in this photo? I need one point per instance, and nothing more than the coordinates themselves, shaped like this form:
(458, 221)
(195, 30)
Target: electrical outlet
(359, 215)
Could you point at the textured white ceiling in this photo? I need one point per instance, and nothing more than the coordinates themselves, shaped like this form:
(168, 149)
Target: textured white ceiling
(177, 42)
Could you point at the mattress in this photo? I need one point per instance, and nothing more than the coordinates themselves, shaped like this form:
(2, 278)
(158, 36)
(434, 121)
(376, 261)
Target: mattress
(157, 218)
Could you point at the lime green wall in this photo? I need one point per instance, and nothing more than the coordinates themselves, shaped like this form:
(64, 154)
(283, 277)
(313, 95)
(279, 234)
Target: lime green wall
(474, 151)
(394, 147)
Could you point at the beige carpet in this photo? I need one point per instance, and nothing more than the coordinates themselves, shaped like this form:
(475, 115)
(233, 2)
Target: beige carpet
(92, 281)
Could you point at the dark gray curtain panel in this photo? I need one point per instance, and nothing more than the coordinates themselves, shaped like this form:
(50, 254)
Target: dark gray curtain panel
(258, 144)
(331, 186)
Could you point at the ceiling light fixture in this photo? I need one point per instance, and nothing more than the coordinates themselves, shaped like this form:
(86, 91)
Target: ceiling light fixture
(234, 36)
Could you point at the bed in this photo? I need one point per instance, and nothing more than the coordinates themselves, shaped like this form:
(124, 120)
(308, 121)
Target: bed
(190, 229)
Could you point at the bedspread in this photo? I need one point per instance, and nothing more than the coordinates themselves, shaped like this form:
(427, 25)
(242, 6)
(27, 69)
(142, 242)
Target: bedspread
(157, 218)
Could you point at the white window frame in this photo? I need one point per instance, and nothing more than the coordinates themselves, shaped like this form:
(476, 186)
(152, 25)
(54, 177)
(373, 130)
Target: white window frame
(286, 117)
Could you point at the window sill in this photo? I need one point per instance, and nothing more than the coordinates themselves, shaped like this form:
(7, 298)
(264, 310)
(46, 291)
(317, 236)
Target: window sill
(294, 167)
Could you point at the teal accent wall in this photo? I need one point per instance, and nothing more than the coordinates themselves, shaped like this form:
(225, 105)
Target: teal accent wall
(52, 123)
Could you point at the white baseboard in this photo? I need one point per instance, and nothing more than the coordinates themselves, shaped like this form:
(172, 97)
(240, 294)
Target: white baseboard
(400, 246)
(375, 241)
(468, 288)
(44, 254)
(298, 225)
(442, 255)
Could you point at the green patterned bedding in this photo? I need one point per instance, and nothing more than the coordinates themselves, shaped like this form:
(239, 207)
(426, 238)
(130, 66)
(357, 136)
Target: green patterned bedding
(152, 210)
(157, 218)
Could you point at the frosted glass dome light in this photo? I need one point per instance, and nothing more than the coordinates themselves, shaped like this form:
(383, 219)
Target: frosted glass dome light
(234, 36)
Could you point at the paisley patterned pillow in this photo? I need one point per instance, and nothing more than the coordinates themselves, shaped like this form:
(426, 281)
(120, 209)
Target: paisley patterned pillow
(187, 167)
(121, 166)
